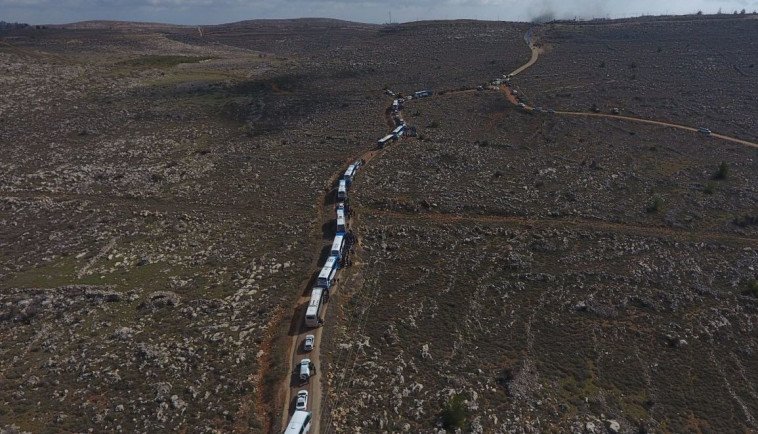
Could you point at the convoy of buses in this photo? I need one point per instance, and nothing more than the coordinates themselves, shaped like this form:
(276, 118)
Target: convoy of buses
(301, 420)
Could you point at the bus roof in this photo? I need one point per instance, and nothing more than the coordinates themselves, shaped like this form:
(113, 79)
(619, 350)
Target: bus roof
(338, 240)
(300, 419)
(331, 263)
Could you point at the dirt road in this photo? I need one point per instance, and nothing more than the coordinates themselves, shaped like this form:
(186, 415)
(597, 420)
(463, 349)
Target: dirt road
(653, 122)
(536, 51)
(298, 330)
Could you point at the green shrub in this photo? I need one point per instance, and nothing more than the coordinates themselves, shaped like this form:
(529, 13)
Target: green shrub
(710, 187)
(655, 205)
(434, 124)
(752, 288)
(454, 412)
(722, 172)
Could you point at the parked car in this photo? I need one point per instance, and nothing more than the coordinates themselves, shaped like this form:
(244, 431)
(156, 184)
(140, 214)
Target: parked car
(704, 130)
(615, 111)
(309, 342)
(521, 105)
(302, 400)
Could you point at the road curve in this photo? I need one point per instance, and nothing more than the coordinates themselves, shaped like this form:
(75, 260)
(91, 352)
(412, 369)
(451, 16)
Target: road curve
(536, 51)
(654, 122)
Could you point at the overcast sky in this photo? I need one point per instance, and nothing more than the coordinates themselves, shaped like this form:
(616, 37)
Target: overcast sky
(369, 11)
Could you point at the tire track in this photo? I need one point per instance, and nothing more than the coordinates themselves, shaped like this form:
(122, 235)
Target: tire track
(542, 222)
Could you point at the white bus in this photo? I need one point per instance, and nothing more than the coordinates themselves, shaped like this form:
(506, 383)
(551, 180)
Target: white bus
(384, 140)
(349, 173)
(300, 423)
(337, 246)
(341, 227)
(328, 272)
(313, 313)
(397, 132)
(342, 190)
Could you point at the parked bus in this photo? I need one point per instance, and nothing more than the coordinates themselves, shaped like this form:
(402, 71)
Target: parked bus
(328, 272)
(313, 312)
(342, 190)
(397, 132)
(300, 423)
(384, 140)
(349, 173)
(341, 226)
(337, 245)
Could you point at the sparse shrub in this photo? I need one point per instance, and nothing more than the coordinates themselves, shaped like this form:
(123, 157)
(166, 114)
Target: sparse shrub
(746, 220)
(710, 187)
(454, 412)
(655, 205)
(602, 64)
(434, 124)
(752, 288)
(633, 65)
(722, 172)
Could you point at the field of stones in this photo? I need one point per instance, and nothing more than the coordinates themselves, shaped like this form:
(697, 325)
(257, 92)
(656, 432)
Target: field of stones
(160, 201)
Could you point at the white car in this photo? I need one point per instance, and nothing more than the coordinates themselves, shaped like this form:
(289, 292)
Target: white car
(704, 130)
(302, 400)
(308, 343)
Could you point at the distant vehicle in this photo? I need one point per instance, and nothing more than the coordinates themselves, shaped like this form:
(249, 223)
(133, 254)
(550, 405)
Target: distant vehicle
(302, 400)
(342, 190)
(538, 109)
(308, 342)
(389, 92)
(300, 423)
(551, 111)
(338, 245)
(349, 173)
(422, 93)
(341, 226)
(304, 369)
(521, 105)
(328, 272)
(615, 111)
(313, 311)
(704, 130)
(384, 140)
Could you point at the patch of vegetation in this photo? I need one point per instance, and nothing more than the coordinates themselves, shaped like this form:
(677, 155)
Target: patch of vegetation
(454, 412)
(722, 172)
(655, 205)
(434, 124)
(746, 220)
(710, 187)
(163, 61)
(752, 288)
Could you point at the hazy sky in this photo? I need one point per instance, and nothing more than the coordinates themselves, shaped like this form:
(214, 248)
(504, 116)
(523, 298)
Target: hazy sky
(371, 11)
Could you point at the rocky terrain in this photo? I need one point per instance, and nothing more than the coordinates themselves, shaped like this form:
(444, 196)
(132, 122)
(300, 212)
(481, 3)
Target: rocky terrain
(158, 197)
(517, 272)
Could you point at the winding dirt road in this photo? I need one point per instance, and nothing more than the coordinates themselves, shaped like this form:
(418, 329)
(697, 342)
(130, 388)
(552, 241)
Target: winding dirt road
(298, 332)
(536, 51)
